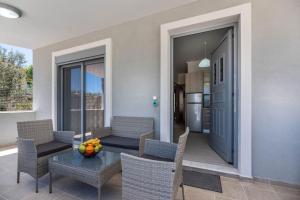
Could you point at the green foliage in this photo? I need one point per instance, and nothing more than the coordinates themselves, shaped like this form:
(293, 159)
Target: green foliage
(29, 75)
(12, 57)
(15, 82)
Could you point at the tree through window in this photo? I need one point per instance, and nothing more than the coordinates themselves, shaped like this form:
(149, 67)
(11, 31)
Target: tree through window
(15, 78)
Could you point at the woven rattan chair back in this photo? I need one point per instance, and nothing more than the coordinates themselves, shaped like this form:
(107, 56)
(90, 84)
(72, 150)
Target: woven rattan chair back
(41, 131)
(131, 127)
(181, 146)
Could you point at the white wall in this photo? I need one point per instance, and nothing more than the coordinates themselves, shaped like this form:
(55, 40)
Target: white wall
(8, 125)
(275, 72)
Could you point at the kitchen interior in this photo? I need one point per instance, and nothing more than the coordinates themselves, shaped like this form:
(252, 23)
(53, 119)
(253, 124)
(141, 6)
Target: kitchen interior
(192, 93)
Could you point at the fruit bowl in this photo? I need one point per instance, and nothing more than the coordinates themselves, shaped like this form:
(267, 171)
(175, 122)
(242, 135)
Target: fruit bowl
(90, 148)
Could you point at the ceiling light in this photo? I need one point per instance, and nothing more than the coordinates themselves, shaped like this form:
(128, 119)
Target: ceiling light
(205, 62)
(9, 11)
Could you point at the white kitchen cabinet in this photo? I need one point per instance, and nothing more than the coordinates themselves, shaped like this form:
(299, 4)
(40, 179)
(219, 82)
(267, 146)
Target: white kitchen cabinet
(194, 82)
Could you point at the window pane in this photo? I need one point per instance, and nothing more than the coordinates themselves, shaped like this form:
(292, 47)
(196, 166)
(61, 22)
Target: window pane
(221, 69)
(215, 73)
(72, 99)
(94, 96)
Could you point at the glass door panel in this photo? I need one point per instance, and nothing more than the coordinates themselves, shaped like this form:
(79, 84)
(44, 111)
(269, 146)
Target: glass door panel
(93, 96)
(71, 98)
(82, 96)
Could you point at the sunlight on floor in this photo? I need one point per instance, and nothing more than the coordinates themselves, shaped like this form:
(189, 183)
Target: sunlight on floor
(8, 152)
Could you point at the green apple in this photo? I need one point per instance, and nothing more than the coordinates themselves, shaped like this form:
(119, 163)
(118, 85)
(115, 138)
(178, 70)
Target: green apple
(82, 148)
(98, 148)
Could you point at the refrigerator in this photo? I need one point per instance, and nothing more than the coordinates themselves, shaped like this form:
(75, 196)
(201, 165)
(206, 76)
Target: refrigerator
(194, 111)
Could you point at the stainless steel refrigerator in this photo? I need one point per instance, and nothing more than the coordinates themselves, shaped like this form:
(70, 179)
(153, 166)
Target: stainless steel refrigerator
(194, 111)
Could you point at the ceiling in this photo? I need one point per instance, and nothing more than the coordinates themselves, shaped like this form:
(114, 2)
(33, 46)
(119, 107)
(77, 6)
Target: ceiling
(191, 47)
(48, 21)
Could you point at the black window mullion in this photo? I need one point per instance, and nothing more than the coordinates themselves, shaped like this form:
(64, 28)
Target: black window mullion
(83, 113)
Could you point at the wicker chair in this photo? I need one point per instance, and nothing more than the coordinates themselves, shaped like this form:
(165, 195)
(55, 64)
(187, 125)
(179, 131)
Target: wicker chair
(155, 175)
(126, 134)
(36, 143)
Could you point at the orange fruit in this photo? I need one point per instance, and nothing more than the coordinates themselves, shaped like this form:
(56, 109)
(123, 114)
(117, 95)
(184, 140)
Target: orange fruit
(89, 149)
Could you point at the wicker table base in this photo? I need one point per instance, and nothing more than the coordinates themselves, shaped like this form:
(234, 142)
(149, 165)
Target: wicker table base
(93, 171)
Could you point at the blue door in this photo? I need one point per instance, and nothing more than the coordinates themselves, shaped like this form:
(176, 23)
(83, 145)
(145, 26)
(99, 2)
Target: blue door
(222, 132)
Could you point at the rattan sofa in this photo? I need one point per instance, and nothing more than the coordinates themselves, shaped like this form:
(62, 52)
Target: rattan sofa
(36, 143)
(126, 134)
(157, 174)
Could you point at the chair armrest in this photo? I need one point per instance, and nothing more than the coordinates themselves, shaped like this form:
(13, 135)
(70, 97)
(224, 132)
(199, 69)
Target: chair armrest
(27, 155)
(160, 149)
(147, 176)
(143, 137)
(64, 136)
(102, 132)
(26, 146)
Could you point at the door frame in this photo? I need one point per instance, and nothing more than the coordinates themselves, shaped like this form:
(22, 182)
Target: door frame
(240, 14)
(107, 44)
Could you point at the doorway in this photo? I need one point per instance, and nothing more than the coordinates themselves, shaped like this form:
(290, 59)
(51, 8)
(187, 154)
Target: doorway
(82, 96)
(203, 71)
(241, 15)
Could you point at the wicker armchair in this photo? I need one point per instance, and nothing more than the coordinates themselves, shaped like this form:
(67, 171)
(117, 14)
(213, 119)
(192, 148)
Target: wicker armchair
(155, 175)
(36, 143)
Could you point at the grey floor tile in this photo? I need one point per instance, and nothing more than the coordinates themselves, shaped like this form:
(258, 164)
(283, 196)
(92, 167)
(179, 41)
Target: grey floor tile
(45, 195)
(42, 195)
(2, 198)
(192, 193)
(180, 197)
(21, 191)
(289, 191)
(7, 181)
(111, 192)
(257, 194)
(232, 189)
(44, 180)
(64, 196)
(74, 188)
(116, 180)
(65, 188)
(284, 196)
(257, 185)
(197, 149)
(11, 190)
(8, 163)
(224, 198)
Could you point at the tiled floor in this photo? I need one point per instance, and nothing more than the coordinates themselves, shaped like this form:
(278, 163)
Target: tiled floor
(197, 148)
(67, 189)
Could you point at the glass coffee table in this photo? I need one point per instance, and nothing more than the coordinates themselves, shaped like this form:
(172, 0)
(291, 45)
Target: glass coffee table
(94, 171)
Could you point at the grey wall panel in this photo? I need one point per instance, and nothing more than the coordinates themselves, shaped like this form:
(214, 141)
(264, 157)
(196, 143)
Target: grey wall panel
(276, 72)
(8, 124)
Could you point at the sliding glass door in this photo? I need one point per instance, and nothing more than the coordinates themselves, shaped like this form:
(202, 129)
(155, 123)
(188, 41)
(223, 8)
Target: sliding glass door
(93, 96)
(71, 98)
(82, 96)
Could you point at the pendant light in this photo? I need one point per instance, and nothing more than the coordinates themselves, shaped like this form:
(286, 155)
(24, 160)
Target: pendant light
(205, 62)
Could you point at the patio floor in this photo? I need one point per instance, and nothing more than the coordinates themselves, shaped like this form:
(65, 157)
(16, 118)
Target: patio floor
(67, 189)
